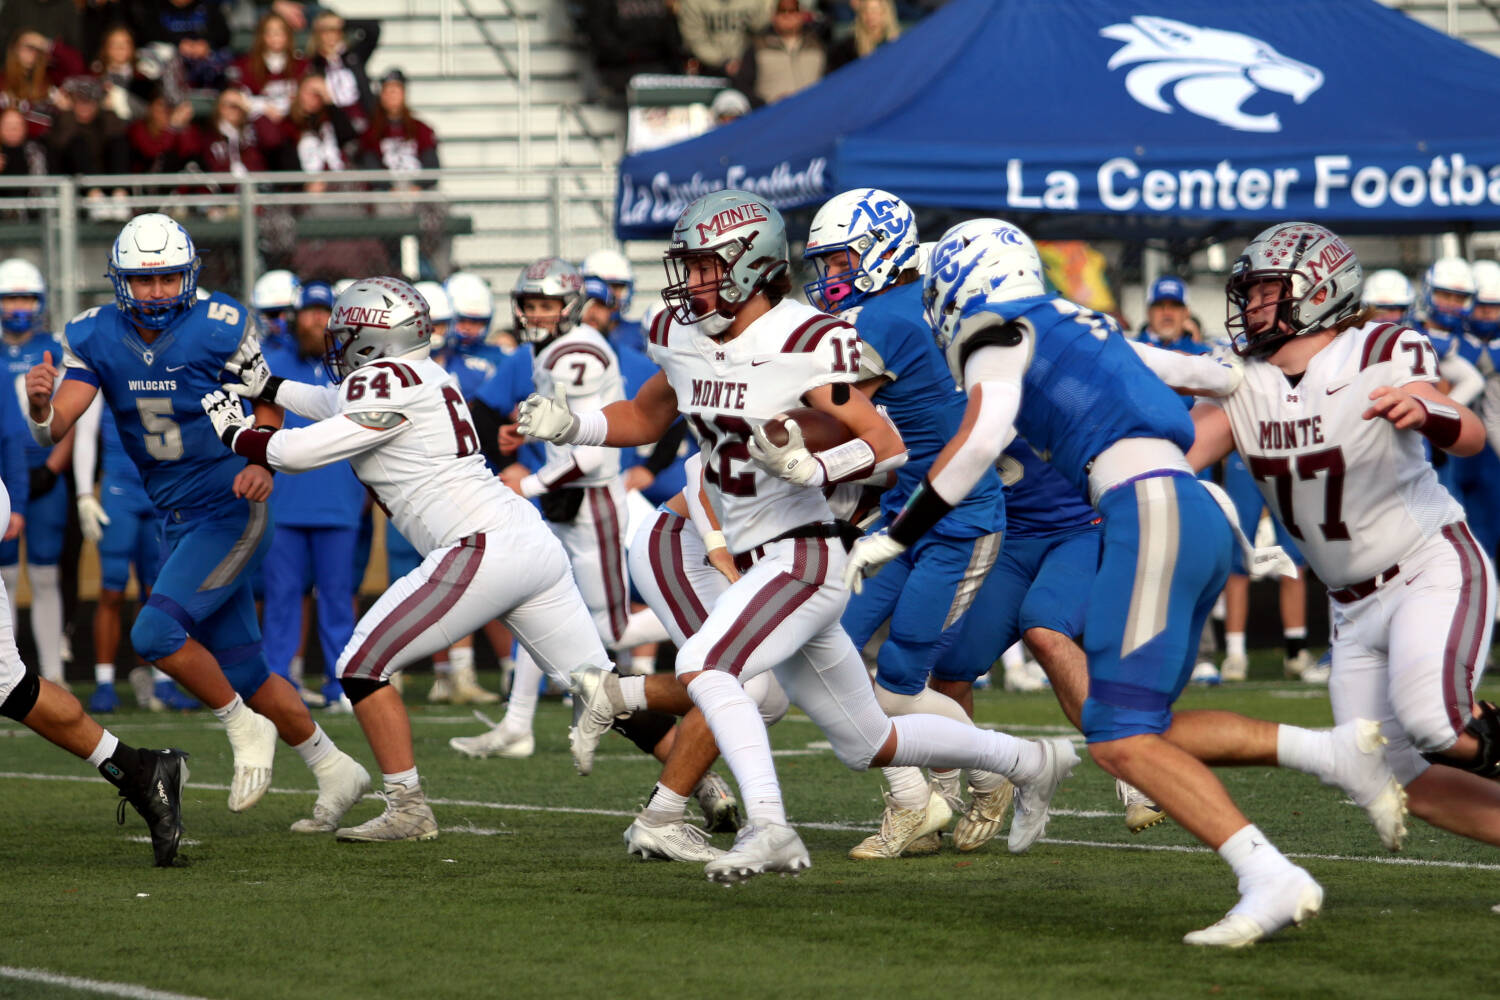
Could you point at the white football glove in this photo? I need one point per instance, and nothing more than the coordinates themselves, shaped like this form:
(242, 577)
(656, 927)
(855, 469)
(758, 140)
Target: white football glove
(546, 418)
(791, 461)
(227, 414)
(91, 517)
(868, 555)
(1271, 559)
(248, 365)
(1225, 356)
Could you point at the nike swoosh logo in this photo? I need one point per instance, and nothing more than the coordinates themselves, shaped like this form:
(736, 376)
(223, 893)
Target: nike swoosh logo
(175, 368)
(757, 364)
(1413, 578)
(1329, 391)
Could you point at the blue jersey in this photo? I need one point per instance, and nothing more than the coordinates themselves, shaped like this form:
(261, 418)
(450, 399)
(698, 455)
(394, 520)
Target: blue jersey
(1038, 500)
(20, 358)
(114, 464)
(1182, 345)
(155, 391)
(14, 436)
(330, 497)
(628, 336)
(471, 362)
(922, 400)
(1085, 388)
(503, 391)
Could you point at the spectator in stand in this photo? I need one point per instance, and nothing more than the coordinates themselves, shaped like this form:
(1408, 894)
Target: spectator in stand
(20, 155)
(340, 52)
(27, 87)
(717, 31)
(234, 143)
(270, 70)
(88, 138)
(57, 20)
(783, 59)
(162, 142)
(728, 105)
(125, 90)
(320, 130)
(875, 24)
(396, 140)
(196, 30)
(627, 37)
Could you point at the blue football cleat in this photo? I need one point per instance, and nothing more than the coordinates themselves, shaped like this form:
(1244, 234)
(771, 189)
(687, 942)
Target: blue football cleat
(104, 699)
(177, 700)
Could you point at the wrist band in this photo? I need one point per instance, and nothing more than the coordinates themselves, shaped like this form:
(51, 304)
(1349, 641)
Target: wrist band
(589, 428)
(1442, 424)
(714, 540)
(41, 432)
(922, 511)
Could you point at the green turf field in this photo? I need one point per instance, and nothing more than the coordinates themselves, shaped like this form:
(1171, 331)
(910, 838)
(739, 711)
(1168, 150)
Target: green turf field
(529, 892)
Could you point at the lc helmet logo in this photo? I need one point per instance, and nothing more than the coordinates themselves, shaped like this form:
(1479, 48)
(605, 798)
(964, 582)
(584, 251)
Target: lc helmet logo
(1211, 73)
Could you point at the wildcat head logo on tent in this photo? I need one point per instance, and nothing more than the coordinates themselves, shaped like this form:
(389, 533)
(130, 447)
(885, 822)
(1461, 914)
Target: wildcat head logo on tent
(1212, 73)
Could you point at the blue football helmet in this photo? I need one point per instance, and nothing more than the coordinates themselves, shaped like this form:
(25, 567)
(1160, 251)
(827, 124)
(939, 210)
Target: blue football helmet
(877, 228)
(154, 244)
(1447, 274)
(1483, 320)
(18, 279)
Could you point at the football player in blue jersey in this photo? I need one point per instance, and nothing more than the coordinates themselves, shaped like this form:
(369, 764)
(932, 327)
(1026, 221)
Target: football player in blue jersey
(863, 248)
(153, 353)
(1037, 364)
(611, 267)
(23, 302)
(274, 299)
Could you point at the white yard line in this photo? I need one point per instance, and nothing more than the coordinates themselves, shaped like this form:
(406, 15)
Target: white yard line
(130, 990)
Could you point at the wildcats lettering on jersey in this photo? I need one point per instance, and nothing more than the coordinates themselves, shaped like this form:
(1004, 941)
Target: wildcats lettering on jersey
(151, 385)
(718, 395)
(1282, 434)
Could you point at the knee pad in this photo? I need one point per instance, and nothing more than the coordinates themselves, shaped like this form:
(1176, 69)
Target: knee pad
(925, 702)
(360, 688)
(157, 633)
(769, 696)
(645, 728)
(22, 698)
(1485, 727)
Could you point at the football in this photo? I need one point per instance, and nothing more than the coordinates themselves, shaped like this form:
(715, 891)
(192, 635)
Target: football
(819, 430)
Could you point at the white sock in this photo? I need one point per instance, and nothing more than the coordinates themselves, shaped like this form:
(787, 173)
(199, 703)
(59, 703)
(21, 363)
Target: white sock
(230, 713)
(406, 779)
(47, 619)
(461, 659)
(108, 744)
(640, 628)
(316, 748)
(741, 736)
(665, 806)
(1013, 657)
(1251, 854)
(104, 673)
(524, 691)
(643, 664)
(1234, 643)
(158, 675)
(1307, 750)
(295, 669)
(986, 781)
(1295, 632)
(633, 690)
(933, 741)
(908, 788)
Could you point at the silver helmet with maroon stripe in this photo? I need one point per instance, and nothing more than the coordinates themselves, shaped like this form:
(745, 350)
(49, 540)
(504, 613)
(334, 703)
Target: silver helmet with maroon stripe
(375, 318)
(1308, 279)
(743, 237)
(548, 278)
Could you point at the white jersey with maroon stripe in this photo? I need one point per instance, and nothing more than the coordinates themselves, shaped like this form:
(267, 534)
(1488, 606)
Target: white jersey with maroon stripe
(1356, 494)
(727, 390)
(582, 365)
(429, 477)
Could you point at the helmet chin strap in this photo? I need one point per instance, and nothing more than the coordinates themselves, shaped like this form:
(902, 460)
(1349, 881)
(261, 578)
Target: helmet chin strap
(714, 324)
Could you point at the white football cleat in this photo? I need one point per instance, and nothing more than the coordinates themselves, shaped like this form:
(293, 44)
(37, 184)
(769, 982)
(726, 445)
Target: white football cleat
(759, 849)
(1140, 812)
(466, 689)
(901, 828)
(441, 692)
(407, 816)
(982, 821)
(1319, 672)
(252, 740)
(1294, 898)
(1034, 798)
(1361, 770)
(677, 841)
(341, 784)
(1293, 667)
(597, 700)
(1205, 673)
(498, 742)
(1235, 668)
(721, 810)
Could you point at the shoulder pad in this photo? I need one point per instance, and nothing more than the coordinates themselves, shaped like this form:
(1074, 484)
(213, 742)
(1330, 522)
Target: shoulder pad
(1000, 332)
(1380, 344)
(806, 337)
(660, 324)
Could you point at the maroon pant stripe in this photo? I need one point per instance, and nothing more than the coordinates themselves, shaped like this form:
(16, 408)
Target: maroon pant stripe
(665, 556)
(766, 611)
(1466, 632)
(420, 610)
(607, 532)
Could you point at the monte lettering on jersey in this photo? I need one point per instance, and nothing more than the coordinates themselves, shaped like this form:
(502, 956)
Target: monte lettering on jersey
(1277, 434)
(151, 384)
(716, 394)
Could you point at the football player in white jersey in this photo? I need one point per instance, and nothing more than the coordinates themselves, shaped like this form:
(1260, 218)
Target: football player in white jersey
(735, 352)
(400, 420)
(1330, 418)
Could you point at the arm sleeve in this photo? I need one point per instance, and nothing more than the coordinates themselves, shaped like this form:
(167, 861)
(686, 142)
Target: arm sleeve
(701, 517)
(316, 445)
(997, 372)
(86, 447)
(487, 425)
(315, 402)
(665, 452)
(1466, 382)
(1195, 373)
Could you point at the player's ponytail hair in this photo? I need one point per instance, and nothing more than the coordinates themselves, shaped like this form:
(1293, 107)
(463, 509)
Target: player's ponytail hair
(778, 287)
(1358, 319)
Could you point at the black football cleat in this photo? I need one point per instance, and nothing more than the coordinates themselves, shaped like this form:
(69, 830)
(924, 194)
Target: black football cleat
(159, 801)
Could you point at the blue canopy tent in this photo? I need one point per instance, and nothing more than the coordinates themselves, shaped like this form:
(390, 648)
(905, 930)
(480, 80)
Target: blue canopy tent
(1097, 118)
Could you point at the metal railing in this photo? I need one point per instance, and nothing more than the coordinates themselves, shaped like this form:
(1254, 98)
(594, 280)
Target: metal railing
(485, 219)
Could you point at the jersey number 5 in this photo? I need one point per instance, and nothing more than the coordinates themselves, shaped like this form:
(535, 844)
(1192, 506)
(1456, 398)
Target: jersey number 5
(1280, 471)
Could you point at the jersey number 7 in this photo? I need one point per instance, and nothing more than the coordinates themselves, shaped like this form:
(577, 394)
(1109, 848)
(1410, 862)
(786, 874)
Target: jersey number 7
(1280, 471)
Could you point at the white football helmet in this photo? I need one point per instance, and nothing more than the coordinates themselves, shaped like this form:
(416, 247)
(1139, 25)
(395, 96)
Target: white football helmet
(1481, 322)
(1447, 274)
(611, 267)
(154, 244)
(20, 277)
(375, 318)
(273, 297)
(1388, 289)
(748, 236)
(982, 260)
(471, 299)
(439, 306)
(878, 228)
(548, 278)
(1320, 281)
(340, 285)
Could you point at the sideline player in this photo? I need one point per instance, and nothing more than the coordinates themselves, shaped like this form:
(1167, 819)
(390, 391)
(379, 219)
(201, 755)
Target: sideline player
(1331, 417)
(735, 352)
(1114, 429)
(863, 247)
(152, 353)
(399, 419)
